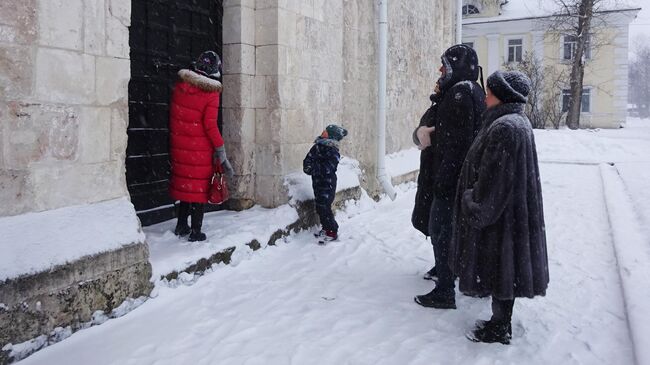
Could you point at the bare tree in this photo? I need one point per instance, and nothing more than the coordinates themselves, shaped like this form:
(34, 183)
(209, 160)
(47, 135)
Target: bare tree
(579, 20)
(639, 79)
(544, 107)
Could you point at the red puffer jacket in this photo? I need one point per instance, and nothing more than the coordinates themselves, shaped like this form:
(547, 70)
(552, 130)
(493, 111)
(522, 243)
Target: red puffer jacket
(193, 136)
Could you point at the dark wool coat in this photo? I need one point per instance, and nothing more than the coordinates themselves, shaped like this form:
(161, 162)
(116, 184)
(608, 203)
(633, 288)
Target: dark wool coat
(193, 136)
(499, 241)
(456, 116)
(321, 163)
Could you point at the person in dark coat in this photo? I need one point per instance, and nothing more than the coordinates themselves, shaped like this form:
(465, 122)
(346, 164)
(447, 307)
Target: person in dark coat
(195, 141)
(499, 241)
(321, 163)
(444, 135)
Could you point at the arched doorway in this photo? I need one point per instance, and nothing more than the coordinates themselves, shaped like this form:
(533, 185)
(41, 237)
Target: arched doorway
(165, 36)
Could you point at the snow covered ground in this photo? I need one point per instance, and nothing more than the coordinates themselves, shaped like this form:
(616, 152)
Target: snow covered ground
(350, 302)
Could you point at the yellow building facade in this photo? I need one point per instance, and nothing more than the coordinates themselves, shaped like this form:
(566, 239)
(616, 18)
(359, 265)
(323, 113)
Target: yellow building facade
(504, 35)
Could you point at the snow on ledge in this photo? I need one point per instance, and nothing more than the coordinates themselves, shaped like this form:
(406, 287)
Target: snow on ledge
(169, 253)
(403, 162)
(299, 183)
(35, 242)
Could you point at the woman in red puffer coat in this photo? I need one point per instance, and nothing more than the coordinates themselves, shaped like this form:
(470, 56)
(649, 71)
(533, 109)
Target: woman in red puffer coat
(195, 141)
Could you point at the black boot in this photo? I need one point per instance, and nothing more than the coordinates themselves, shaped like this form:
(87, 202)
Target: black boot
(197, 222)
(182, 212)
(437, 298)
(431, 274)
(491, 332)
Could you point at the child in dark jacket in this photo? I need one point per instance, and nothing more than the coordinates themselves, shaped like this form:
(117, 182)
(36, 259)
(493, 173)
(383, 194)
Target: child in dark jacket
(321, 163)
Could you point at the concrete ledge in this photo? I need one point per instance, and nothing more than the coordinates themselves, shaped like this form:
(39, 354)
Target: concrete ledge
(401, 179)
(306, 218)
(68, 295)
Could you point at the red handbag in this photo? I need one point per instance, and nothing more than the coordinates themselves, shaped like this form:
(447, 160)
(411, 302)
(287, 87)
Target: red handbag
(218, 186)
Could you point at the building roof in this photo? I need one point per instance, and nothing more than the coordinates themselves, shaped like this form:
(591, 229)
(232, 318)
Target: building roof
(527, 9)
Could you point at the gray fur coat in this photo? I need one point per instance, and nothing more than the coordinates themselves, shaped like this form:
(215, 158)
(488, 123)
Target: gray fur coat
(499, 241)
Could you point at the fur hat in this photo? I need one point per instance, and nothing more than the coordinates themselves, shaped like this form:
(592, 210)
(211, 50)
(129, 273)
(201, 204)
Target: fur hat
(208, 64)
(334, 132)
(509, 86)
(461, 63)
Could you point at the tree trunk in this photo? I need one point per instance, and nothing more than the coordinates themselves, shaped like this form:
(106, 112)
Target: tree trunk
(585, 13)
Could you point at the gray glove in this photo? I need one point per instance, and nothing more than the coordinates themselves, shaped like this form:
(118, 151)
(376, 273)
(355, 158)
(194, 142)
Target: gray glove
(220, 153)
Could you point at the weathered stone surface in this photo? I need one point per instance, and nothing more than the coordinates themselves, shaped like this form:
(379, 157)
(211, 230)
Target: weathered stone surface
(294, 154)
(238, 25)
(119, 138)
(243, 158)
(118, 21)
(266, 60)
(242, 191)
(61, 23)
(239, 59)
(112, 79)
(270, 190)
(94, 27)
(72, 82)
(268, 159)
(68, 295)
(246, 3)
(94, 134)
(266, 26)
(17, 72)
(120, 10)
(65, 184)
(39, 131)
(19, 18)
(239, 91)
(15, 188)
(240, 125)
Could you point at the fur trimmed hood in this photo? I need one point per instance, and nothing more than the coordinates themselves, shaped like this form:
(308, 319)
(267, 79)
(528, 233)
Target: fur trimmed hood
(202, 82)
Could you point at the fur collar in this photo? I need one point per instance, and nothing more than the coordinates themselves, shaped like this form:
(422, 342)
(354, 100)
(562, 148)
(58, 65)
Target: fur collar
(496, 112)
(202, 82)
(327, 142)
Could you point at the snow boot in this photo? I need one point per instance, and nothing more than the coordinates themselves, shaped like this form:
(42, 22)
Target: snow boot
(491, 332)
(182, 212)
(329, 236)
(320, 233)
(431, 274)
(437, 298)
(197, 222)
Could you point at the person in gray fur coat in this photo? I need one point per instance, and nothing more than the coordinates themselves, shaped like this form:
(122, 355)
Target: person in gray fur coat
(498, 245)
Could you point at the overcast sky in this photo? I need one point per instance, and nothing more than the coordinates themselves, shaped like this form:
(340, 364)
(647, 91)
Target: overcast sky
(641, 25)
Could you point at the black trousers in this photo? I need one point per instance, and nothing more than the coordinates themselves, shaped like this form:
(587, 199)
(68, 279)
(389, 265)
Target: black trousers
(324, 211)
(196, 210)
(502, 310)
(440, 220)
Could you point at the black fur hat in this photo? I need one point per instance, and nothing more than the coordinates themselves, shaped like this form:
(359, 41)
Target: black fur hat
(509, 86)
(461, 63)
(208, 64)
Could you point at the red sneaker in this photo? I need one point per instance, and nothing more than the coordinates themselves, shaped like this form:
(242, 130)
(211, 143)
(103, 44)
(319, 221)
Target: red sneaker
(328, 237)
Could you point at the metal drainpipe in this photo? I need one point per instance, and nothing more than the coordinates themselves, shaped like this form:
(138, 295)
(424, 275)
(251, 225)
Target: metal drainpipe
(459, 21)
(382, 175)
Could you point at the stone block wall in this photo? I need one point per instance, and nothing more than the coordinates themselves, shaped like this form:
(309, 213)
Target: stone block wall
(64, 73)
(294, 66)
(63, 102)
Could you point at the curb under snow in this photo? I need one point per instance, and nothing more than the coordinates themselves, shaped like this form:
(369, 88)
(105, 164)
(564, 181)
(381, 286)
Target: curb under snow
(633, 255)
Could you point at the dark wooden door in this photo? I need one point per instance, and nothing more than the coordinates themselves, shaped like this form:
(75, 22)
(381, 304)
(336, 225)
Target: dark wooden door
(165, 36)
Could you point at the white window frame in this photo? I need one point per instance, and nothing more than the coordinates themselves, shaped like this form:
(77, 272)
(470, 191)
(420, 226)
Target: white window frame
(588, 89)
(589, 49)
(470, 42)
(506, 46)
(465, 10)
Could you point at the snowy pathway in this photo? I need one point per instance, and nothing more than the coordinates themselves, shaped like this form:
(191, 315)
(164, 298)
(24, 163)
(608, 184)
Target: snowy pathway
(351, 302)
